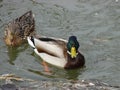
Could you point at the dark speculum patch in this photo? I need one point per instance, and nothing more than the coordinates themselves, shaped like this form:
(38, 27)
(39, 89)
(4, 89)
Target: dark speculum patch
(47, 39)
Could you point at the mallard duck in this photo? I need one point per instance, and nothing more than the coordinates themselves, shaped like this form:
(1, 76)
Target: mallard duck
(58, 52)
(17, 30)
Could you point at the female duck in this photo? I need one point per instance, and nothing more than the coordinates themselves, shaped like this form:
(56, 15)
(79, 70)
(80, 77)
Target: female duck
(58, 52)
(17, 30)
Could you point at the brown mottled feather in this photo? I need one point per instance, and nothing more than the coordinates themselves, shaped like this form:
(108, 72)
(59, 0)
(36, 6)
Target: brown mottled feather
(17, 30)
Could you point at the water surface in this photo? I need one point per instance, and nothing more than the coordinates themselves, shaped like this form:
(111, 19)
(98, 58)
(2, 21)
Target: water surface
(96, 23)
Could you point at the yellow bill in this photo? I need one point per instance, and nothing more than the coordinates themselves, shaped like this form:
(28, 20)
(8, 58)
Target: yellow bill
(73, 52)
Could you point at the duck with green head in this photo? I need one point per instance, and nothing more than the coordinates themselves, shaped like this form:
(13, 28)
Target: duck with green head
(58, 52)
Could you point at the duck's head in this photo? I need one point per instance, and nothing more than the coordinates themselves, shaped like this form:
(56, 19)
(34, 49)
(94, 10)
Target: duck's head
(11, 38)
(72, 46)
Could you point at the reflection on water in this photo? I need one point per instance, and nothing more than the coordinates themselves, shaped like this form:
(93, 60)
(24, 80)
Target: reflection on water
(13, 53)
(96, 23)
(58, 73)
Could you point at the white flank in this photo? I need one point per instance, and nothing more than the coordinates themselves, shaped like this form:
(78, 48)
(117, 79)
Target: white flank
(49, 47)
(52, 48)
(59, 62)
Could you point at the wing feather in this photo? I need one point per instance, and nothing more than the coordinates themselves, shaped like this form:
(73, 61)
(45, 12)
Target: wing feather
(52, 47)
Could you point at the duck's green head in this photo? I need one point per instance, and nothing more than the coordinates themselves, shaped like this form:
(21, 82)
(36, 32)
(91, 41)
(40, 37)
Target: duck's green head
(73, 46)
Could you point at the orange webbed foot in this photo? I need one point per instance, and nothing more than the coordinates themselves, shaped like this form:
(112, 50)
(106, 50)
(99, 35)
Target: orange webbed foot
(46, 68)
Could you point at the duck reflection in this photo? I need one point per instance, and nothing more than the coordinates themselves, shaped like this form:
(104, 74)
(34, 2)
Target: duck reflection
(13, 52)
(58, 73)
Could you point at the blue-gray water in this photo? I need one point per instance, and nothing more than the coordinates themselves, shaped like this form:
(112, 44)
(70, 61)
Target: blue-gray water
(96, 23)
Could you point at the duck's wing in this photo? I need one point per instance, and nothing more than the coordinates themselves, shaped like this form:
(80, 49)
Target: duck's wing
(52, 46)
(56, 61)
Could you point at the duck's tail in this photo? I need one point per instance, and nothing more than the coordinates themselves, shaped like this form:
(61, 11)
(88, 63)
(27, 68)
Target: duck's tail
(31, 41)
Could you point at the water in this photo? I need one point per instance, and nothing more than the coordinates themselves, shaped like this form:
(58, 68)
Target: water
(94, 22)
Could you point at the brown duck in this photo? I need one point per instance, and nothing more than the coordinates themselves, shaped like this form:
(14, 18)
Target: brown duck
(17, 30)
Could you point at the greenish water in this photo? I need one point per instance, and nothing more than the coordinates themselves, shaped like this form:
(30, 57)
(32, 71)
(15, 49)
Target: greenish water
(94, 22)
